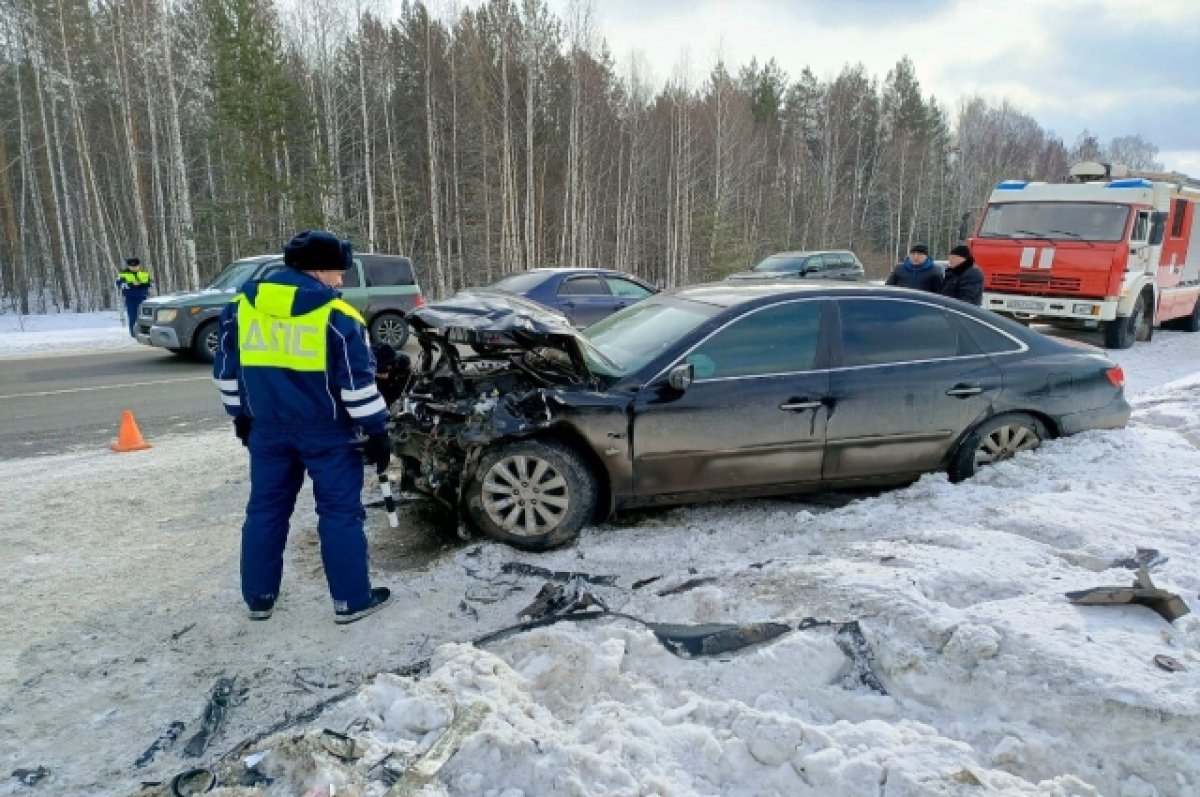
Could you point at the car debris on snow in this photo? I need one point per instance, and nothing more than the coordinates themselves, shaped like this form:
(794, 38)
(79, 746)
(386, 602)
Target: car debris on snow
(1169, 605)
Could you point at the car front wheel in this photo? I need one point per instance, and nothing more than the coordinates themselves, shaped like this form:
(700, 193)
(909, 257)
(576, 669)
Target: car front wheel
(996, 440)
(204, 343)
(532, 494)
(391, 329)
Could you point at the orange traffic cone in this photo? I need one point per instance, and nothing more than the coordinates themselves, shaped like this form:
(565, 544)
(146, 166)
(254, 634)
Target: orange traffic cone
(130, 437)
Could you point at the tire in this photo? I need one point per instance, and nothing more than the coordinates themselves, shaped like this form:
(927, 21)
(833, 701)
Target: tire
(1120, 333)
(995, 440)
(204, 342)
(1190, 323)
(554, 490)
(390, 328)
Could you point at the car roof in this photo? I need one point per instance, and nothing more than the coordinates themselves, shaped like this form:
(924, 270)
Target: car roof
(732, 294)
(811, 252)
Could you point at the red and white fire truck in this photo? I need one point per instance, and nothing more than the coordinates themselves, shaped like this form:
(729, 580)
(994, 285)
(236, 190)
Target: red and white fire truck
(1112, 249)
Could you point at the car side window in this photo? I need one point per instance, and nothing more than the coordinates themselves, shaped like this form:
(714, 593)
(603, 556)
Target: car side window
(877, 332)
(582, 286)
(989, 339)
(350, 278)
(848, 261)
(626, 288)
(814, 264)
(387, 271)
(781, 339)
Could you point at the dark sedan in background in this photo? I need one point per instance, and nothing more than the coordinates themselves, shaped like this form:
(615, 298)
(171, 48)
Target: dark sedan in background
(837, 264)
(584, 295)
(726, 390)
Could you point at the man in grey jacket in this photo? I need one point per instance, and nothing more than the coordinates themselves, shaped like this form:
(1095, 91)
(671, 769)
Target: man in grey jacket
(917, 271)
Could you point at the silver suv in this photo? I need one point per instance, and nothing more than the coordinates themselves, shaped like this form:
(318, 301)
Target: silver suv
(826, 264)
(381, 287)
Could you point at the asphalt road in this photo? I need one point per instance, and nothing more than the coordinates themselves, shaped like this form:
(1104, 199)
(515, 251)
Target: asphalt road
(53, 405)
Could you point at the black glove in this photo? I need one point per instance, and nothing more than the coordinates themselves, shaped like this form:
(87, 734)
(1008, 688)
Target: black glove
(241, 427)
(378, 451)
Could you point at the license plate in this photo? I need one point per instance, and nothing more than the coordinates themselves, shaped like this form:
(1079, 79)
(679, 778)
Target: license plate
(1024, 304)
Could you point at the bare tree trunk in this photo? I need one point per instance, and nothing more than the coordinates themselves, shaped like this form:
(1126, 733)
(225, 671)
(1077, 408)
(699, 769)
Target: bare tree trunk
(435, 202)
(182, 216)
(368, 164)
(142, 244)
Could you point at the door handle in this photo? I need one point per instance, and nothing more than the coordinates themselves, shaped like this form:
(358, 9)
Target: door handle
(962, 391)
(794, 406)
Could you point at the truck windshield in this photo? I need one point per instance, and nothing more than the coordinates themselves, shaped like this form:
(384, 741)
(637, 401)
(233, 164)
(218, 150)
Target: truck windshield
(1076, 221)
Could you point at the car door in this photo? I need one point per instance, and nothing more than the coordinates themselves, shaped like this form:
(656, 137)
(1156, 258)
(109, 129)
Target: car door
(584, 299)
(906, 383)
(625, 291)
(814, 268)
(754, 415)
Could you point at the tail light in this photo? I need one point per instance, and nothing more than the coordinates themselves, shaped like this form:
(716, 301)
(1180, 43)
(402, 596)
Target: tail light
(419, 301)
(1116, 375)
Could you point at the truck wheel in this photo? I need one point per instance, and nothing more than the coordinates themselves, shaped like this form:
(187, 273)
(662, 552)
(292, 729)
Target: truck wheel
(389, 328)
(1120, 333)
(204, 342)
(995, 440)
(531, 494)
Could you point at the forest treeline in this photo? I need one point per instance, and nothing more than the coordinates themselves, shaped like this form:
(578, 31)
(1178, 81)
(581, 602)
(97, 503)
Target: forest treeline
(194, 132)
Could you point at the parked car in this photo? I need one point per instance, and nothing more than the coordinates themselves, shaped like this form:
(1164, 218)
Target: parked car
(584, 295)
(382, 287)
(726, 390)
(840, 264)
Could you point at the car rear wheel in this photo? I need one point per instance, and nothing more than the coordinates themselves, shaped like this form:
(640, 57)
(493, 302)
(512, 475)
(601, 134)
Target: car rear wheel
(531, 494)
(389, 328)
(204, 342)
(995, 440)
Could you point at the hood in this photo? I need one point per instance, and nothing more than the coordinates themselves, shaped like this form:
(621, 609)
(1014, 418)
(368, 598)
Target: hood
(495, 320)
(761, 276)
(288, 293)
(207, 296)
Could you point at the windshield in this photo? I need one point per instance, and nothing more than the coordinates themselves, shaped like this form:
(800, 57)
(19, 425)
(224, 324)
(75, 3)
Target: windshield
(1080, 221)
(776, 263)
(639, 333)
(232, 276)
(519, 283)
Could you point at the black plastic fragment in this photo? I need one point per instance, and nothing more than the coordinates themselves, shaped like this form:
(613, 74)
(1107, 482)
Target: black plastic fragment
(711, 639)
(522, 569)
(555, 600)
(691, 583)
(30, 777)
(214, 717)
(1143, 592)
(164, 741)
(853, 643)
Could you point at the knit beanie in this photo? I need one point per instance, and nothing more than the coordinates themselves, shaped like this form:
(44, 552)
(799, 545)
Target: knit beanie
(318, 250)
(133, 261)
(961, 251)
(918, 249)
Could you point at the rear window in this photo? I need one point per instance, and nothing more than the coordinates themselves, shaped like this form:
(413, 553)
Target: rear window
(386, 271)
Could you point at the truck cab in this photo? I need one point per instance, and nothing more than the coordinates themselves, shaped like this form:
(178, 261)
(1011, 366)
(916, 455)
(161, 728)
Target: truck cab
(381, 287)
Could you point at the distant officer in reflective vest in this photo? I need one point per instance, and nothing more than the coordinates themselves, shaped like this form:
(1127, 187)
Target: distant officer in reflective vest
(134, 283)
(296, 373)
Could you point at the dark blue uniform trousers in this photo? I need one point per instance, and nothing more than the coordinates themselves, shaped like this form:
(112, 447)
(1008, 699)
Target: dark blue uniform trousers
(133, 300)
(279, 456)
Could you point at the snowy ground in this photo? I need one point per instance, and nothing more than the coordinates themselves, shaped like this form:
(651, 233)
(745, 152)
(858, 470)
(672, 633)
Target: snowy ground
(121, 611)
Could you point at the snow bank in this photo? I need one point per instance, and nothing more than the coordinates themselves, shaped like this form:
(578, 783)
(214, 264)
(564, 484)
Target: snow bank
(63, 333)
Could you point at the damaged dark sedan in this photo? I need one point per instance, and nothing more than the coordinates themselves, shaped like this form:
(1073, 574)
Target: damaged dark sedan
(532, 429)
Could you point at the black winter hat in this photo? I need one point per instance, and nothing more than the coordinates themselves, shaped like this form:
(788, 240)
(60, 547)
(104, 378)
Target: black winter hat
(961, 251)
(318, 250)
(133, 261)
(918, 249)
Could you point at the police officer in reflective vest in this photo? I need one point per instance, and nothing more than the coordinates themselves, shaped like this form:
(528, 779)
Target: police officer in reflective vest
(296, 373)
(134, 283)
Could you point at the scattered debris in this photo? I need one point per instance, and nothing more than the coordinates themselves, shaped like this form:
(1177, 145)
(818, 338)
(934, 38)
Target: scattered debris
(468, 610)
(214, 716)
(314, 678)
(643, 582)
(711, 639)
(1148, 558)
(522, 569)
(194, 781)
(853, 643)
(425, 768)
(339, 745)
(175, 636)
(1169, 664)
(691, 583)
(164, 741)
(30, 777)
(555, 600)
(1169, 605)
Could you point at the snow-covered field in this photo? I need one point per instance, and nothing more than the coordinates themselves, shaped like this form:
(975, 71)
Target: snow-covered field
(121, 611)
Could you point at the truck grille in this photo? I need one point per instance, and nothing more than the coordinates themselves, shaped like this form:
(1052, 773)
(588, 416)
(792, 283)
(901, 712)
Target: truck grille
(1035, 282)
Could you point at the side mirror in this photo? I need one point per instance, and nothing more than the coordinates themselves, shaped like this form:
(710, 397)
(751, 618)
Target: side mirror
(681, 376)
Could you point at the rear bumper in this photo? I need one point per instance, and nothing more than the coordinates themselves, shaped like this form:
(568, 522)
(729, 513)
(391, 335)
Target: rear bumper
(1114, 415)
(1080, 309)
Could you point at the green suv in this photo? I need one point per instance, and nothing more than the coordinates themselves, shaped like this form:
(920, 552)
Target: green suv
(382, 287)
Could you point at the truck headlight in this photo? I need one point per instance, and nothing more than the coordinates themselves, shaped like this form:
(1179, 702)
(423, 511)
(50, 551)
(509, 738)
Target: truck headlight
(165, 316)
(1086, 309)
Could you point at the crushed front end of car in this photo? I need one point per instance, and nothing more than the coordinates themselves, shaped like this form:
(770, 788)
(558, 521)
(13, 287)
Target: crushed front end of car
(473, 428)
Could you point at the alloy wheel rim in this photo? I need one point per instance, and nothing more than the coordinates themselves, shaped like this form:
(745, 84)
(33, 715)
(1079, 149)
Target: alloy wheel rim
(390, 332)
(1005, 442)
(525, 495)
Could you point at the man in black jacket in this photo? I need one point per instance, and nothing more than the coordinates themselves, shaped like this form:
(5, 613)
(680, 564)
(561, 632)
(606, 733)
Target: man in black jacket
(917, 271)
(964, 279)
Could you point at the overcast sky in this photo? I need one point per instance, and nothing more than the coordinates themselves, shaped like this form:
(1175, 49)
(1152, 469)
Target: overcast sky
(1113, 67)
